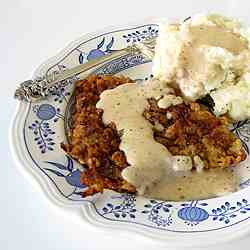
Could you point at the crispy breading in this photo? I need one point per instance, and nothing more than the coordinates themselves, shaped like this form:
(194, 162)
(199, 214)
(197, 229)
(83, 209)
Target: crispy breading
(186, 130)
(94, 144)
(190, 129)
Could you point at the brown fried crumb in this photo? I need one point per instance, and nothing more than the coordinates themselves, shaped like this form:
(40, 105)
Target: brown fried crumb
(193, 130)
(94, 144)
(187, 130)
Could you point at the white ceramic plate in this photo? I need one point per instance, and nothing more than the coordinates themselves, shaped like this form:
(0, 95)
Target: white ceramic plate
(38, 130)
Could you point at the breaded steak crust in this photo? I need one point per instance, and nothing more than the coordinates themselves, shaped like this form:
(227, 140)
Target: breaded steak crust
(185, 129)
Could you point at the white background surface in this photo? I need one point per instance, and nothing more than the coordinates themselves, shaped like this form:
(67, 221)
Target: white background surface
(32, 31)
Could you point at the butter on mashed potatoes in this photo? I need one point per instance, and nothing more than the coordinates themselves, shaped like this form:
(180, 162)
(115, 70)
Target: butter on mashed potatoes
(207, 54)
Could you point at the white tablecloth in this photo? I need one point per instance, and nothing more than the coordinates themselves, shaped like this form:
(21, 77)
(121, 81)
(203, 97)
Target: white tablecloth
(32, 31)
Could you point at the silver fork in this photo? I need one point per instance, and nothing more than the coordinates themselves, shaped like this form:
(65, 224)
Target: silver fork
(40, 88)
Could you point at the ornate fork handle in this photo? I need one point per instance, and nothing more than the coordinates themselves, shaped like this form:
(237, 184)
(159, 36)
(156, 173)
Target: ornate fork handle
(40, 88)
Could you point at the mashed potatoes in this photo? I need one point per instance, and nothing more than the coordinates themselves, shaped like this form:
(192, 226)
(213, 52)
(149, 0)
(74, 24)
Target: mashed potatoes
(207, 54)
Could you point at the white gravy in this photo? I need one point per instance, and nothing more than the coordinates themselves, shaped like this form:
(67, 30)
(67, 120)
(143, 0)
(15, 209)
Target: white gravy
(196, 185)
(151, 170)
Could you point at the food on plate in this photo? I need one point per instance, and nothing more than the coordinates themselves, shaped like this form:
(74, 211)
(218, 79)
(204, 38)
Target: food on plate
(155, 137)
(207, 54)
(131, 136)
(94, 144)
(233, 100)
(191, 130)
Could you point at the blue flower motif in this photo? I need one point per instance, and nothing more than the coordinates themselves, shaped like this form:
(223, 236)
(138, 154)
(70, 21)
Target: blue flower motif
(43, 135)
(61, 95)
(61, 92)
(121, 64)
(125, 208)
(72, 176)
(94, 54)
(193, 214)
(159, 212)
(46, 112)
(227, 212)
(138, 36)
(41, 129)
(98, 52)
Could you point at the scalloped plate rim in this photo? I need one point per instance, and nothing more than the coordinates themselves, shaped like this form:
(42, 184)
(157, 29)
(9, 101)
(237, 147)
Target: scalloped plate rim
(87, 208)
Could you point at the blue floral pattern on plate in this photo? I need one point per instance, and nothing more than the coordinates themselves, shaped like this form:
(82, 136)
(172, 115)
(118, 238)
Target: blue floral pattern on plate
(43, 131)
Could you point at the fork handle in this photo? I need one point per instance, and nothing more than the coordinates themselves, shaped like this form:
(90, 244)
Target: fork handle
(42, 87)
